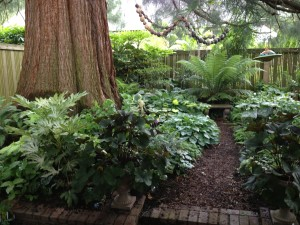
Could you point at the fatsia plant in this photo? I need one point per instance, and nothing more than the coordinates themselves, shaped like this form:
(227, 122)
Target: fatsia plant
(219, 78)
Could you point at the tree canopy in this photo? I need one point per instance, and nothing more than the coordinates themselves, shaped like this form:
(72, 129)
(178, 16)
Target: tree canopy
(227, 11)
(9, 8)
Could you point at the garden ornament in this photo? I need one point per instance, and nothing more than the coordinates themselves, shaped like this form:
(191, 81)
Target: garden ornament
(123, 200)
(166, 30)
(283, 216)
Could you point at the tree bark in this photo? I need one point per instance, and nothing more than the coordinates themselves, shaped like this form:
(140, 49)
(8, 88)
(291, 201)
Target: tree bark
(67, 49)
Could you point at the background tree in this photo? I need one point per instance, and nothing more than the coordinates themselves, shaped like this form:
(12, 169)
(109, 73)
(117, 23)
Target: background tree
(221, 11)
(113, 13)
(244, 17)
(9, 8)
(67, 49)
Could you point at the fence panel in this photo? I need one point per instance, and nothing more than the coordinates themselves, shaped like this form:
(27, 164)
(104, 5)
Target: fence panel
(10, 67)
(11, 63)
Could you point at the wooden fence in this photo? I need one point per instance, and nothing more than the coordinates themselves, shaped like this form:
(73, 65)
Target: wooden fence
(281, 69)
(10, 66)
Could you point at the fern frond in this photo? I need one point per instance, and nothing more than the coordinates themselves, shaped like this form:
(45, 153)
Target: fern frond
(195, 65)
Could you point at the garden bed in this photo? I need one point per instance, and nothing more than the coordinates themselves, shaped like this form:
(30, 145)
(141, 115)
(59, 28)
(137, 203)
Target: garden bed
(214, 181)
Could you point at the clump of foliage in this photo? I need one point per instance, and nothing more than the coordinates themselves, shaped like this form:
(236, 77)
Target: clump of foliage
(184, 129)
(271, 154)
(8, 116)
(12, 35)
(166, 102)
(134, 63)
(83, 157)
(218, 78)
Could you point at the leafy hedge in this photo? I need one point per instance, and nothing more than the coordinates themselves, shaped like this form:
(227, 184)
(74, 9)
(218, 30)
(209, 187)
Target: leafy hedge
(12, 35)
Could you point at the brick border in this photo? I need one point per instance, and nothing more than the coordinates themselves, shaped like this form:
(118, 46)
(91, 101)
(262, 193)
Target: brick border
(32, 214)
(193, 215)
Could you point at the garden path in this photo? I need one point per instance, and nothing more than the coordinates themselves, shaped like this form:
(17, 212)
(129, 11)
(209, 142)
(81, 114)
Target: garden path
(213, 182)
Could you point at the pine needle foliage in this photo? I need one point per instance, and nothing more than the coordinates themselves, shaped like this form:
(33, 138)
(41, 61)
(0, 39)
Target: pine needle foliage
(219, 78)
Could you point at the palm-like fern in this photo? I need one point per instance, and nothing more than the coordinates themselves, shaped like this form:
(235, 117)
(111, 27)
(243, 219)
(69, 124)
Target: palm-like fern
(218, 78)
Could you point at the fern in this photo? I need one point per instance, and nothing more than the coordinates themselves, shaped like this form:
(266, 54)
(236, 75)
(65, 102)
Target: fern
(217, 78)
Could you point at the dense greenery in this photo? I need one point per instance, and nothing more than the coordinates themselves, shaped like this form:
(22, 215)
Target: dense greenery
(135, 60)
(218, 77)
(271, 154)
(180, 118)
(95, 149)
(8, 117)
(12, 35)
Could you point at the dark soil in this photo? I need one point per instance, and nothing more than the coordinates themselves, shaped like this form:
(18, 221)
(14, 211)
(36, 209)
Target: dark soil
(213, 182)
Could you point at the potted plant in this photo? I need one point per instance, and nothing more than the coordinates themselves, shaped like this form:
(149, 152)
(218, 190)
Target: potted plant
(125, 138)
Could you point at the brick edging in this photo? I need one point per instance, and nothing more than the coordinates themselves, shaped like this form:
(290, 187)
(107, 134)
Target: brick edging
(193, 215)
(32, 214)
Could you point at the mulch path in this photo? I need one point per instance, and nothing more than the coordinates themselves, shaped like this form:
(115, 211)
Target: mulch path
(213, 182)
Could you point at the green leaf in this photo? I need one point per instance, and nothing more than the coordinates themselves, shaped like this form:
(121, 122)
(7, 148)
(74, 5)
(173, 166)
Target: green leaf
(143, 176)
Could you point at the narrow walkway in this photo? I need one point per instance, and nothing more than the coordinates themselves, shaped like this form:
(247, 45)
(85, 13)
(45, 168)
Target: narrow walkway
(213, 182)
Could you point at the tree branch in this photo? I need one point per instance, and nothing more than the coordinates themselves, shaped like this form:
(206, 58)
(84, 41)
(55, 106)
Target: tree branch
(290, 6)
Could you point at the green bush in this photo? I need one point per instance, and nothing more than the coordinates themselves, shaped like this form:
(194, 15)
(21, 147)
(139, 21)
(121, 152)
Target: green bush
(12, 35)
(8, 117)
(183, 128)
(79, 157)
(83, 157)
(218, 77)
(133, 63)
(271, 154)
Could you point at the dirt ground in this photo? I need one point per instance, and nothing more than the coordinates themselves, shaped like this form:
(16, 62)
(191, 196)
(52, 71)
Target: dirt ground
(214, 181)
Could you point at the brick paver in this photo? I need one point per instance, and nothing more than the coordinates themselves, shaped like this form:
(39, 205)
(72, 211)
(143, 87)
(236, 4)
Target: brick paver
(223, 219)
(203, 217)
(195, 215)
(30, 214)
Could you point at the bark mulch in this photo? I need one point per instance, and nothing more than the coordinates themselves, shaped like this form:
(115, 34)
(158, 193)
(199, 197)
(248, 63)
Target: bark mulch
(213, 182)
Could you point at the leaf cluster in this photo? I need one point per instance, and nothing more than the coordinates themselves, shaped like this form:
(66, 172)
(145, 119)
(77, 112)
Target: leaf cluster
(80, 158)
(12, 35)
(134, 63)
(218, 78)
(270, 156)
(183, 129)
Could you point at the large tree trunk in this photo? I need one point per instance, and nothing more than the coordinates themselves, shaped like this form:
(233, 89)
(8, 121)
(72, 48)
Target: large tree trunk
(67, 49)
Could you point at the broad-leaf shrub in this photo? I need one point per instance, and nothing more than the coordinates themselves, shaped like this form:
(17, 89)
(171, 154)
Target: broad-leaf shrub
(80, 158)
(12, 35)
(8, 116)
(142, 65)
(271, 155)
(170, 102)
(51, 142)
(183, 115)
(83, 157)
(183, 128)
(258, 107)
(197, 129)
